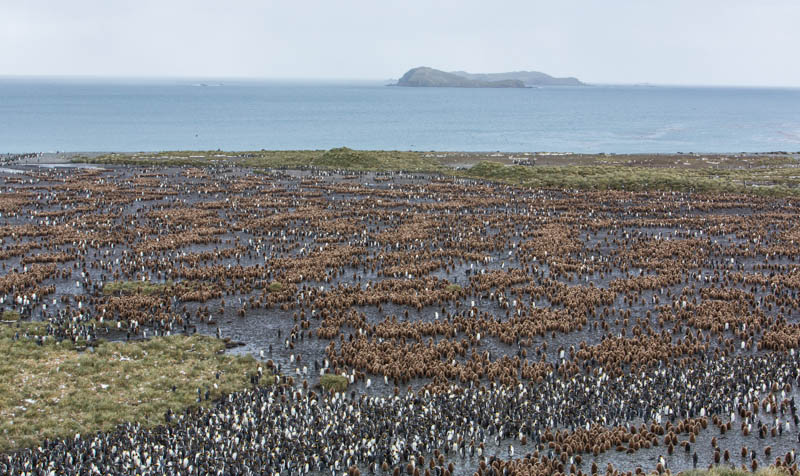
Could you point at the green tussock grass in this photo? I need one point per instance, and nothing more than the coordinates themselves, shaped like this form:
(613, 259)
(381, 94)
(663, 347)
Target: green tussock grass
(280, 159)
(777, 176)
(54, 391)
(144, 160)
(363, 160)
(135, 287)
(275, 286)
(38, 328)
(334, 383)
(453, 288)
(10, 315)
(727, 471)
(339, 158)
(768, 182)
(199, 158)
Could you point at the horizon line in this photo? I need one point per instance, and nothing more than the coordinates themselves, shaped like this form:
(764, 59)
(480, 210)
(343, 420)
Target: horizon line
(101, 77)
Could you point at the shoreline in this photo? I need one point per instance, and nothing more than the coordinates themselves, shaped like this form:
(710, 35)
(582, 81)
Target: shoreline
(775, 174)
(453, 159)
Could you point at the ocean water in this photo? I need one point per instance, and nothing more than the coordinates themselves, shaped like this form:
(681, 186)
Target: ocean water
(46, 115)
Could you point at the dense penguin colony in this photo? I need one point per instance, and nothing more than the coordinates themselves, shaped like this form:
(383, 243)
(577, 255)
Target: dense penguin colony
(483, 329)
(279, 429)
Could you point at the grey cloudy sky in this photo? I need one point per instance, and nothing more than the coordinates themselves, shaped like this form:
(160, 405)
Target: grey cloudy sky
(730, 42)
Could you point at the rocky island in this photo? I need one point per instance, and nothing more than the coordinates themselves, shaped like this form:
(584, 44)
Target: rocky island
(530, 78)
(428, 77)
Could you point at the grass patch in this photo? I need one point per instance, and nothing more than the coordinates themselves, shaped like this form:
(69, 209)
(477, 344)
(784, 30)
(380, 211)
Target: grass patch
(340, 158)
(135, 287)
(275, 286)
(727, 471)
(776, 176)
(453, 288)
(170, 159)
(37, 328)
(280, 159)
(334, 383)
(767, 182)
(53, 391)
(363, 160)
(10, 315)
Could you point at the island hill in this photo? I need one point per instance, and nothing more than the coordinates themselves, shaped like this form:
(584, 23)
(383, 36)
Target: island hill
(429, 77)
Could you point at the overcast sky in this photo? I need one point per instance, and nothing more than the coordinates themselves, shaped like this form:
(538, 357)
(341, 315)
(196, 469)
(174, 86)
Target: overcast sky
(726, 42)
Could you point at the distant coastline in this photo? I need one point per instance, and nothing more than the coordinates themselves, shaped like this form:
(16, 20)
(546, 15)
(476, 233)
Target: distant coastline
(424, 76)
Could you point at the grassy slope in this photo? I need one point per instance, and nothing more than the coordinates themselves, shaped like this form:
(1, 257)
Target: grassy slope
(54, 390)
(348, 159)
(780, 181)
(762, 175)
(341, 158)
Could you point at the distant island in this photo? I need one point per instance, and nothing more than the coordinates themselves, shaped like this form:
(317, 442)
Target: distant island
(530, 78)
(429, 77)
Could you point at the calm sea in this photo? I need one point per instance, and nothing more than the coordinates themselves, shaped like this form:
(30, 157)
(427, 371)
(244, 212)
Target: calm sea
(82, 115)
